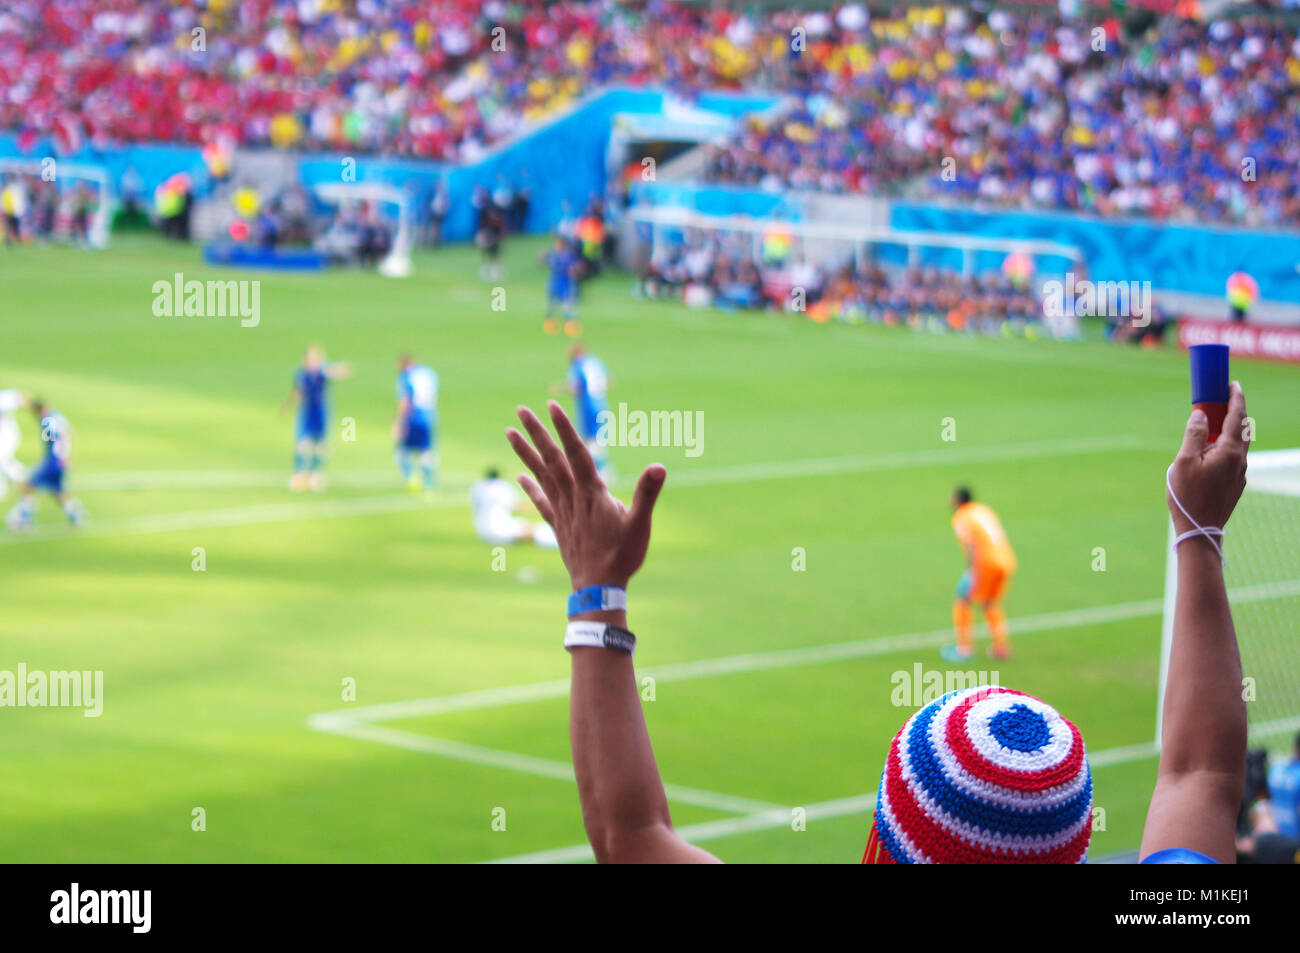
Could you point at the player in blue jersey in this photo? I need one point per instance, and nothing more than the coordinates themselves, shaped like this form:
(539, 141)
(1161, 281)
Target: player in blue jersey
(49, 474)
(561, 287)
(589, 384)
(311, 392)
(1284, 794)
(415, 428)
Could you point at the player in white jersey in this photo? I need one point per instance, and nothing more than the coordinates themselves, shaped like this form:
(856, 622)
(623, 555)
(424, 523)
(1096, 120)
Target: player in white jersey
(11, 401)
(494, 503)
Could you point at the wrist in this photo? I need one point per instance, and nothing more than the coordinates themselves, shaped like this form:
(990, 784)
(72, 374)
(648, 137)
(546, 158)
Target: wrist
(602, 597)
(603, 580)
(1195, 550)
(614, 617)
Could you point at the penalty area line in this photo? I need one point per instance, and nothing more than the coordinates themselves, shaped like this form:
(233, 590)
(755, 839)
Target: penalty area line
(520, 763)
(735, 474)
(788, 658)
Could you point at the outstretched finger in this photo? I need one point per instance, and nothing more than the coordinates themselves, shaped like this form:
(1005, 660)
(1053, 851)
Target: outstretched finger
(538, 497)
(584, 468)
(556, 464)
(643, 500)
(1196, 435)
(1233, 421)
(530, 458)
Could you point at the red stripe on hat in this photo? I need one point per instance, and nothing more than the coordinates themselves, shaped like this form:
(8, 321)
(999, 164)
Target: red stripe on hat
(943, 846)
(970, 758)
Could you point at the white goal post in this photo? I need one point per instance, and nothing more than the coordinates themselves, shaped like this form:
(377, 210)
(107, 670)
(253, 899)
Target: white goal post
(60, 172)
(835, 244)
(851, 241)
(397, 264)
(1262, 572)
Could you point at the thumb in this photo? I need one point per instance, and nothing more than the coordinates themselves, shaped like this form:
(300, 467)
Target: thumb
(1198, 432)
(643, 500)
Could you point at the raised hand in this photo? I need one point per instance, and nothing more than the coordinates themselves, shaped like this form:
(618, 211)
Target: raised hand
(602, 541)
(1209, 479)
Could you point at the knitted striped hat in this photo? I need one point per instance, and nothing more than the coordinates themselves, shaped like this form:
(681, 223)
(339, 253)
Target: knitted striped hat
(984, 776)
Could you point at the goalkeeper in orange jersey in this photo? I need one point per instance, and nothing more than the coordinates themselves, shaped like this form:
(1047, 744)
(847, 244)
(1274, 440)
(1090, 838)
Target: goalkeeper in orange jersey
(990, 564)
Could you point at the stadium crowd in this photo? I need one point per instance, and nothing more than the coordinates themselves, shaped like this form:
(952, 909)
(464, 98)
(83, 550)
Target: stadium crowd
(1188, 121)
(708, 269)
(1185, 120)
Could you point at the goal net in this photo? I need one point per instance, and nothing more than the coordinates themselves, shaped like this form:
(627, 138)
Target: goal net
(1262, 572)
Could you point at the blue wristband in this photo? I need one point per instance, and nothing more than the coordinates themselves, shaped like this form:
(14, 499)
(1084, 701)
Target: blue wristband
(1178, 855)
(597, 599)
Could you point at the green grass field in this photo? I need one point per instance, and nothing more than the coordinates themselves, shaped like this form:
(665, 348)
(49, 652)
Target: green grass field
(820, 439)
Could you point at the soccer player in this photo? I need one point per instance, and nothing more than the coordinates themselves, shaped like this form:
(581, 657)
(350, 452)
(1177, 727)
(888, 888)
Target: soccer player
(561, 287)
(495, 504)
(310, 389)
(415, 428)
(56, 436)
(491, 235)
(990, 563)
(11, 401)
(589, 383)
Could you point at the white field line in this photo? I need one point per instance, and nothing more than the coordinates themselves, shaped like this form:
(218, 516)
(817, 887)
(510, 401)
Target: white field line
(237, 479)
(361, 723)
(737, 473)
(522, 763)
(868, 462)
(786, 658)
(232, 516)
(712, 830)
(860, 804)
(307, 510)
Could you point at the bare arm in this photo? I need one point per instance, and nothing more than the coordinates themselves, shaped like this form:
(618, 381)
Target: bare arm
(623, 804)
(604, 543)
(400, 417)
(1203, 751)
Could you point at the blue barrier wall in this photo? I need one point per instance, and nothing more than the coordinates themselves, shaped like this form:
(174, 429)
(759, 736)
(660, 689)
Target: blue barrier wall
(716, 200)
(153, 162)
(1187, 258)
(561, 162)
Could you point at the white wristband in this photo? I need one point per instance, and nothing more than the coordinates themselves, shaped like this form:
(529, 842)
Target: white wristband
(599, 635)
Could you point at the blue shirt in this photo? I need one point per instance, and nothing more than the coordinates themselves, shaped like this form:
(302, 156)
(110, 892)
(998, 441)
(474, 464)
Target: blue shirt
(54, 437)
(418, 385)
(561, 263)
(589, 380)
(311, 386)
(1284, 792)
